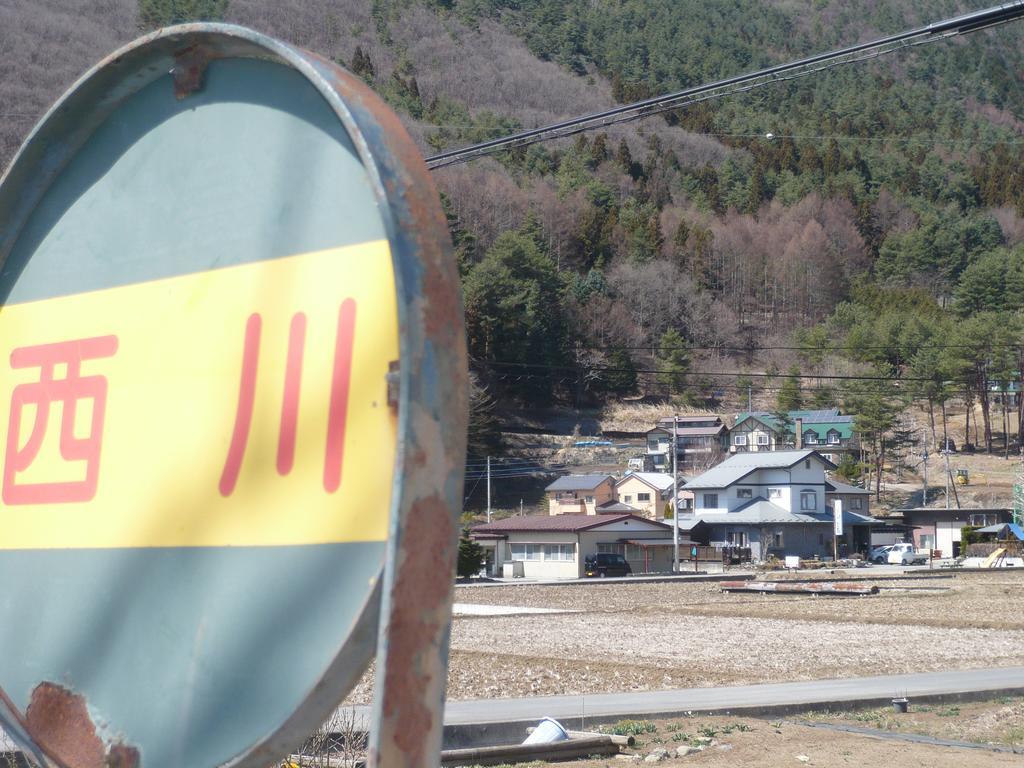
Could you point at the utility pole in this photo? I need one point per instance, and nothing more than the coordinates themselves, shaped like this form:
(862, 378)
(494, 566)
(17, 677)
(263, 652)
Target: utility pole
(675, 494)
(488, 489)
(945, 455)
(520, 507)
(750, 398)
(924, 497)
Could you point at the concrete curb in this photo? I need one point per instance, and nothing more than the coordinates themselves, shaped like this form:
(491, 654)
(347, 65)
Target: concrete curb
(513, 731)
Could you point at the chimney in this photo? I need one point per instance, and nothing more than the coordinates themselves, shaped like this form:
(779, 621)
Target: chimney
(799, 427)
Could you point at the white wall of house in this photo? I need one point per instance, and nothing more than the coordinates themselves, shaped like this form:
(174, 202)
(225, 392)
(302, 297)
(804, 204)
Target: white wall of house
(708, 500)
(783, 487)
(543, 554)
(560, 554)
(753, 436)
(947, 533)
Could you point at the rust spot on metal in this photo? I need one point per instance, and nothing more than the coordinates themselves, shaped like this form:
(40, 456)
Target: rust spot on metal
(58, 721)
(421, 597)
(122, 756)
(189, 70)
(394, 384)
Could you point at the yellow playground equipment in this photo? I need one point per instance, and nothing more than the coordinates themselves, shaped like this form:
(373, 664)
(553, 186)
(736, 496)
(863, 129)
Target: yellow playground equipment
(963, 477)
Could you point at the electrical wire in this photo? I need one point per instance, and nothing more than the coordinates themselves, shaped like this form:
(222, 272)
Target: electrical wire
(959, 25)
(735, 374)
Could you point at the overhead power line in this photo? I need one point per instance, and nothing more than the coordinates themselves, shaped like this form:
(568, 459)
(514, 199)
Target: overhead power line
(959, 25)
(734, 374)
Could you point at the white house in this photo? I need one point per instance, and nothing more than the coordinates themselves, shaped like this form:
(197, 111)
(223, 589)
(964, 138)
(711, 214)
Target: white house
(554, 546)
(774, 503)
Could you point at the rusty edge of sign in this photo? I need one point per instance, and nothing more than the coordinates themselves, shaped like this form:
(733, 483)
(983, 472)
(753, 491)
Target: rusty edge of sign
(432, 398)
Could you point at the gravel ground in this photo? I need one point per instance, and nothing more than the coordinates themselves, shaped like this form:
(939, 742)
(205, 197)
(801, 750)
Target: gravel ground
(999, 721)
(675, 635)
(766, 744)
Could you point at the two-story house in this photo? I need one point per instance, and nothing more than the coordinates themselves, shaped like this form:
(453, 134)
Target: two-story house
(827, 431)
(647, 492)
(700, 441)
(774, 502)
(580, 494)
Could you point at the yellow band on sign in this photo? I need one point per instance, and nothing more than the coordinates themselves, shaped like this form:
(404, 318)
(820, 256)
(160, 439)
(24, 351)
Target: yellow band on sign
(245, 406)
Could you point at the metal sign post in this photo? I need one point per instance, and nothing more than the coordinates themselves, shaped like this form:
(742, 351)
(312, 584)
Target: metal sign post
(837, 522)
(233, 397)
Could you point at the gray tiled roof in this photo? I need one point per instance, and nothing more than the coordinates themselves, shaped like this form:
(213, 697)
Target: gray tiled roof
(834, 486)
(739, 465)
(660, 480)
(570, 523)
(763, 512)
(616, 506)
(578, 482)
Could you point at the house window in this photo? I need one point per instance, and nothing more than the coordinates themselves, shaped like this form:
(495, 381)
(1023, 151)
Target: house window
(643, 497)
(833, 438)
(736, 538)
(827, 457)
(561, 552)
(774, 493)
(710, 500)
(634, 552)
(856, 503)
(744, 493)
(739, 439)
(927, 541)
(610, 549)
(808, 500)
(525, 551)
(777, 540)
(810, 438)
(627, 499)
(589, 499)
(983, 520)
(762, 438)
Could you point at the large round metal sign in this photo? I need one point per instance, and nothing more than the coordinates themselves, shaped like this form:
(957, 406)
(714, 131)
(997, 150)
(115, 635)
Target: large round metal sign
(231, 368)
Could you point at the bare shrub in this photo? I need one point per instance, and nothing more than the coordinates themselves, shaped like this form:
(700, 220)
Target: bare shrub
(339, 743)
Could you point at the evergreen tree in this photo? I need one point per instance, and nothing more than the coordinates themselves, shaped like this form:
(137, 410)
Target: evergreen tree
(673, 362)
(471, 556)
(875, 406)
(514, 313)
(620, 377)
(163, 13)
(789, 397)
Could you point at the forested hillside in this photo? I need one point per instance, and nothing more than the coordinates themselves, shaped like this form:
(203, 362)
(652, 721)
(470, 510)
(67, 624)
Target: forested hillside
(864, 221)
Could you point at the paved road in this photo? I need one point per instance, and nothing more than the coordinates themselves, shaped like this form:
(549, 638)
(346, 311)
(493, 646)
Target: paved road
(738, 697)
(724, 699)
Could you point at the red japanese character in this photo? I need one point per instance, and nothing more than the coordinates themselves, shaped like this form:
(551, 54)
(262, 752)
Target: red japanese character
(45, 393)
(337, 407)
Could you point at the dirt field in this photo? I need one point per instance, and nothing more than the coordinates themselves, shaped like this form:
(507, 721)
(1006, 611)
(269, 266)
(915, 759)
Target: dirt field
(629, 637)
(768, 744)
(1000, 721)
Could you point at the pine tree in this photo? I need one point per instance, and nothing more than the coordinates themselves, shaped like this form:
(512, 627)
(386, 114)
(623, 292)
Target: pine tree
(163, 13)
(471, 556)
(673, 362)
(790, 398)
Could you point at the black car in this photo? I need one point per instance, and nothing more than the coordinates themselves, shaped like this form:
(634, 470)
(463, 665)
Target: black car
(606, 564)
